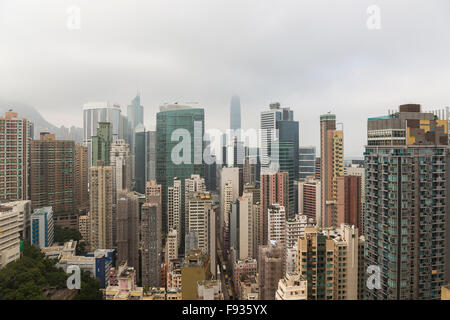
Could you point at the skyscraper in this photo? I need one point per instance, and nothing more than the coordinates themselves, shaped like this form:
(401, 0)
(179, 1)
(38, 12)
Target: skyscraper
(348, 201)
(95, 112)
(181, 121)
(242, 222)
(102, 206)
(135, 116)
(270, 270)
(121, 161)
(309, 201)
(280, 131)
(330, 262)
(15, 136)
(145, 157)
(174, 208)
(197, 206)
(307, 162)
(128, 229)
(229, 192)
(235, 114)
(276, 226)
(407, 203)
(331, 167)
(151, 233)
(101, 144)
(81, 195)
(52, 178)
(274, 189)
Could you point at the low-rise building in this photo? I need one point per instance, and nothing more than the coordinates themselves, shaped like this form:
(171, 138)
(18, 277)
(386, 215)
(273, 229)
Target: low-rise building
(249, 288)
(55, 251)
(292, 287)
(209, 290)
(126, 288)
(155, 293)
(98, 264)
(243, 269)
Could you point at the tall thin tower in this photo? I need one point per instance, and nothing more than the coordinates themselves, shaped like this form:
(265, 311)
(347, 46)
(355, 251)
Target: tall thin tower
(332, 166)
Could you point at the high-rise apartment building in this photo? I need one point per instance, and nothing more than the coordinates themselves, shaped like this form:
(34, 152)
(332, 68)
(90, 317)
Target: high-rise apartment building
(295, 227)
(15, 136)
(151, 244)
(270, 270)
(330, 262)
(81, 178)
(171, 246)
(348, 201)
(309, 199)
(128, 229)
(331, 167)
(242, 221)
(42, 227)
(197, 211)
(174, 208)
(121, 161)
(407, 203)
(357, 170)
(229, 192)
(102, 207)
(179, 120)
(52, 178)
(193, 184)
(276, 226)
(83, 228)
(151, 233)
(274, 189)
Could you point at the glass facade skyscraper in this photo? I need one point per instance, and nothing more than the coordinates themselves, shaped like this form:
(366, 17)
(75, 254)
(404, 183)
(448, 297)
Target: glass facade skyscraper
(171, 120)
(306, 162)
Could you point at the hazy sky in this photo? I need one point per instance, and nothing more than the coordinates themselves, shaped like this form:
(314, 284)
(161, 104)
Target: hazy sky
(314, 56)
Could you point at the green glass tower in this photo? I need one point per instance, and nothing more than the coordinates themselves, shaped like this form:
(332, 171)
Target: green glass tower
(173, 122)
(101, 144)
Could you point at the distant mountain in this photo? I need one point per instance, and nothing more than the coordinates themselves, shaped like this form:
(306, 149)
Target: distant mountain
(40, 124)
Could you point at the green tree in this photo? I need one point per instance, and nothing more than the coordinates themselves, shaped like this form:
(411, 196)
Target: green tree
(26, 278)
(90, 288)
(65, 234)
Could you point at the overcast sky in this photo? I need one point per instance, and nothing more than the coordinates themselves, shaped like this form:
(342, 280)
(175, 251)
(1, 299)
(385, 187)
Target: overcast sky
(314, 56)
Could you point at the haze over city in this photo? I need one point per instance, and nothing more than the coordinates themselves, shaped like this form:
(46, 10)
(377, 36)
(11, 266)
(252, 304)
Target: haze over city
(311, 56)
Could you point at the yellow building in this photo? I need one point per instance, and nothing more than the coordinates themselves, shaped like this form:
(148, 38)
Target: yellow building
(445, 292)
(195, 268)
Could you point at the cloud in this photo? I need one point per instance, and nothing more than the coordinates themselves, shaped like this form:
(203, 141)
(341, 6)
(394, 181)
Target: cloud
(314, 56)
